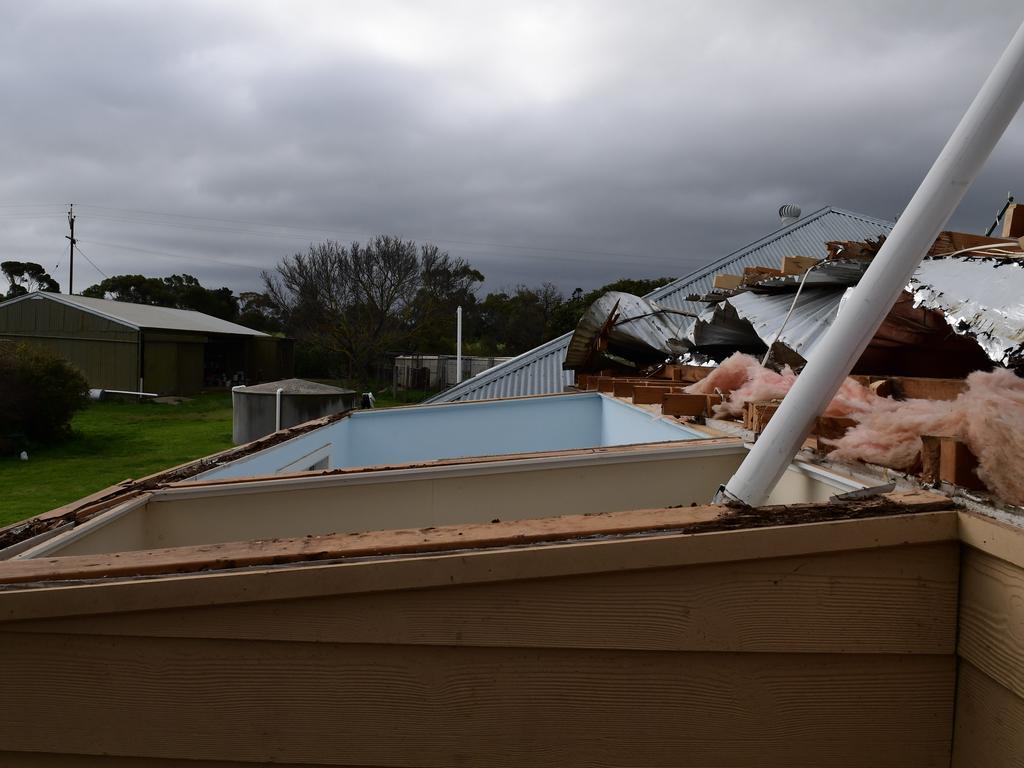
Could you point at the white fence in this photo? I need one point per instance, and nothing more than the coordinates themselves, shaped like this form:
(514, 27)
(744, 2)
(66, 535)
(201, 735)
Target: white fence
(437, 372)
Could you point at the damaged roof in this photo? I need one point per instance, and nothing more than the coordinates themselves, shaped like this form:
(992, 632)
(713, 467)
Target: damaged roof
(764, 314)
(980, 297)
(622, 322)
(539, 371)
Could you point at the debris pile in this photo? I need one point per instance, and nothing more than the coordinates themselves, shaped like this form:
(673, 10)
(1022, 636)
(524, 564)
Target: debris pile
(988, 417)
(962, 311)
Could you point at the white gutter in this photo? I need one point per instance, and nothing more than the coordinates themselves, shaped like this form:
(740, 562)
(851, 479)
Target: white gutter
(890, 271)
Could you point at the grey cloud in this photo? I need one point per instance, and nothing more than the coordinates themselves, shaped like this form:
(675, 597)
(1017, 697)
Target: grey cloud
(672, 136)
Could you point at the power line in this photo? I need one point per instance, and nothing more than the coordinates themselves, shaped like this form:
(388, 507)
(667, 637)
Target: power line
(167, 254)
(82, 254)
(137, 216)
(332, 231)
(564, 255)
(195, 227)
(32, 205)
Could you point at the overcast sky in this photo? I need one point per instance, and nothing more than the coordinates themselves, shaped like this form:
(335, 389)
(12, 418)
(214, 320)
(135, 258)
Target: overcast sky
(567, 142)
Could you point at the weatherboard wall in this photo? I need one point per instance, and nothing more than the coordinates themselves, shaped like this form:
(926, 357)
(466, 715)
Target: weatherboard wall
(990, 680)
(819, 647)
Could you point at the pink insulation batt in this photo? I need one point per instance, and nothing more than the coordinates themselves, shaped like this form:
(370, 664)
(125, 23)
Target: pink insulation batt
(742, 379)
(988, 417)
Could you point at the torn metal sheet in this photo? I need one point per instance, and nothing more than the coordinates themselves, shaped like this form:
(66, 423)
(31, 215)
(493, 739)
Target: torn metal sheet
(749, 321)
(628, 330)
(813, 314)
(719, 327)
(980, 297)
(839, 273)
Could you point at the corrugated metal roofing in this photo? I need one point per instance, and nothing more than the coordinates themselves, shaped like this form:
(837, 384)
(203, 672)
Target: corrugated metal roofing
(812, 315)
(640, 326)
(982, 298)
(539, 371)
(146, 316)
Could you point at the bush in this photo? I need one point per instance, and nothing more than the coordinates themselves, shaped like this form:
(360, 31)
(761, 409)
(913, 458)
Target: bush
(39, 393)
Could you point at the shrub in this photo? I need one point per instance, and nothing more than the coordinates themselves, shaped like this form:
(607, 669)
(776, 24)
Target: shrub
(39, 393)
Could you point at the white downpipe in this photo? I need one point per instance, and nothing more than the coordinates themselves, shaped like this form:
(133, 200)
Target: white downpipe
(935, 200)
(277, 409)
(458, 345)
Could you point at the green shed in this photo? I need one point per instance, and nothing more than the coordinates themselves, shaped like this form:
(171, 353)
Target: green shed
(137, 347)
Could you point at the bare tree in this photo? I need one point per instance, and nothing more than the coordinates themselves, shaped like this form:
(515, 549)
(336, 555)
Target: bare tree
(350, 301)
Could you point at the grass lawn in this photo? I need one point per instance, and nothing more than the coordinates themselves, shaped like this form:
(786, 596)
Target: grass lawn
(112, 442)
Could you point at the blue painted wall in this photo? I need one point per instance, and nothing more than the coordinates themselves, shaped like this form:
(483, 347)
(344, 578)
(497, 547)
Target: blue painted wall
(404, 435)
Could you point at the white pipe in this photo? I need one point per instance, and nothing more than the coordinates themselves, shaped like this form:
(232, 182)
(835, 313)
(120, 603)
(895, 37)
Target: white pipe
(277, 415)
(785, 320)
(890, 271)
(97, 394)
(458, 345)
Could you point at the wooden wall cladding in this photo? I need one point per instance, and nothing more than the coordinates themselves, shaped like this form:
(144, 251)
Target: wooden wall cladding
(989, 728)
(990, 690)
(439, 705)
(844, 659)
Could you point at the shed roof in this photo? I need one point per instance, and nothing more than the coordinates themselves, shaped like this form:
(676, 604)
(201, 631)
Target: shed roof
(539, 371)
(144, 315)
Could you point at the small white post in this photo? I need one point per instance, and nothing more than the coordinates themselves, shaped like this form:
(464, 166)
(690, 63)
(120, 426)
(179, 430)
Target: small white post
(458, 345)
(935, 200)
(277, 416)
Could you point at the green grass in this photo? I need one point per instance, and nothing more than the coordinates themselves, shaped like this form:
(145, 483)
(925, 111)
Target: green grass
(404, 397)
(111, 442)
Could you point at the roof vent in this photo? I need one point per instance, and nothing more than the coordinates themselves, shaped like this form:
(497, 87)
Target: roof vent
(789, 213)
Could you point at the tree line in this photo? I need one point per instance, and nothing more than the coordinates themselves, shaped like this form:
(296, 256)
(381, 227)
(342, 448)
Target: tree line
(351, 306)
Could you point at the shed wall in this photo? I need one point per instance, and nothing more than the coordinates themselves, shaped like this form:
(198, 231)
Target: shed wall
(104, 351)
(172, 363)
(841, 659)
(269, 358)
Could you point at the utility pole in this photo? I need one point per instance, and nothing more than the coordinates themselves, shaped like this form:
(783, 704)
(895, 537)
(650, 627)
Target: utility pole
(458, 345)
(71, 249)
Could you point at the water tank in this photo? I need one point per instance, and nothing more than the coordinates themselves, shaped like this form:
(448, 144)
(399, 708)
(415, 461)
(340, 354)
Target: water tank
(254, 408)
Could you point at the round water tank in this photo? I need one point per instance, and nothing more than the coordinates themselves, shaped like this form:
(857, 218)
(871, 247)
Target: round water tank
(254, 408)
